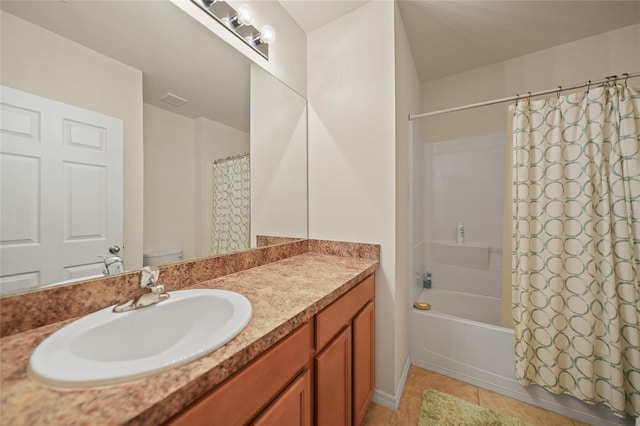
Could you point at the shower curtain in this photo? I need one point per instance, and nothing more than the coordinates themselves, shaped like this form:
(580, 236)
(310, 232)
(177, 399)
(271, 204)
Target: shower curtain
(231, 212)
(576, 245)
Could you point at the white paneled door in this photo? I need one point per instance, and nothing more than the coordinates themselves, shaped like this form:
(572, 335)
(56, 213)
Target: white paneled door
(60, 190)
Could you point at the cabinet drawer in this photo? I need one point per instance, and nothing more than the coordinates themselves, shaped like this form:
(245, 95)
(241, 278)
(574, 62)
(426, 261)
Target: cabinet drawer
(246, 393)
(335, 316)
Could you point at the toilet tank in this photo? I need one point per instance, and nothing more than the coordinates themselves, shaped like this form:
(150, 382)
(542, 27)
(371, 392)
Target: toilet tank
(161, 257)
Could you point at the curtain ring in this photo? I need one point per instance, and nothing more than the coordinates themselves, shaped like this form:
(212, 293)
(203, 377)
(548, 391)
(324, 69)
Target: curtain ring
(558, 92)
(588, 86)
(614, 80)
(517, 97)
(626, 77)
(529, 96)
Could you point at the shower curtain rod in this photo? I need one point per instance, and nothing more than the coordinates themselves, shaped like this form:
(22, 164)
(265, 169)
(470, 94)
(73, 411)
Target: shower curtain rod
(233, 157)
(528, 95)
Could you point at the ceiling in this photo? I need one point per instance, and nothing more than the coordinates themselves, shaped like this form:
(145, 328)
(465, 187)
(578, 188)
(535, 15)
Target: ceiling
(312, 14)
(452, 36)
(446, 37)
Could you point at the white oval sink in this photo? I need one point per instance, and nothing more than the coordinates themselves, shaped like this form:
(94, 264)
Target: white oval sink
(106, 347)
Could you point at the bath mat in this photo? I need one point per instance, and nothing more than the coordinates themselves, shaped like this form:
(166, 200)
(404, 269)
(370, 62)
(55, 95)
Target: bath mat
(439, 409)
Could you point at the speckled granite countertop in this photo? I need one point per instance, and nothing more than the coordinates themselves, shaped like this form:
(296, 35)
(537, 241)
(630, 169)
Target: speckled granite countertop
(284, 294)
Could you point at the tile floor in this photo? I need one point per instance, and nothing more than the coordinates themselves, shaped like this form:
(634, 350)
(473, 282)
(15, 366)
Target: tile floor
(420, 379)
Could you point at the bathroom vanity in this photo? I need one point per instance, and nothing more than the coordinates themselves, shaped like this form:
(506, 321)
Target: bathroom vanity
(306, 357)
(340, 358)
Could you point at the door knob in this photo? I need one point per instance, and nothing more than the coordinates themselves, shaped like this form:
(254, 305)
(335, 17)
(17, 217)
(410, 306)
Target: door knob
(114, 249)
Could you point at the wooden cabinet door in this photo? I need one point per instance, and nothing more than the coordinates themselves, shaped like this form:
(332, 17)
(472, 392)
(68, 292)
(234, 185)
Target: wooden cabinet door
(292, 407)
(363, 361)
(333, 382)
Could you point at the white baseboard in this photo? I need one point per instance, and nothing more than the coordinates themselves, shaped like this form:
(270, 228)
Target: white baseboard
(393, 401)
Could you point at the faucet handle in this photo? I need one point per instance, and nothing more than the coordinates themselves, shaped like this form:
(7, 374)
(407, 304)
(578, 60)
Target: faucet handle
(149, 277)
(108, 260)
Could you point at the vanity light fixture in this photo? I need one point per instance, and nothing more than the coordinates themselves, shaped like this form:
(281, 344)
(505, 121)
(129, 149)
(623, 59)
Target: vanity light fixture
(267, 35)
(244, 16)
(240, 23)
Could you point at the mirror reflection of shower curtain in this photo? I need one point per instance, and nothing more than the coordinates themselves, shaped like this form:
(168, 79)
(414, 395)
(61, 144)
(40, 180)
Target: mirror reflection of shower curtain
(231, 207)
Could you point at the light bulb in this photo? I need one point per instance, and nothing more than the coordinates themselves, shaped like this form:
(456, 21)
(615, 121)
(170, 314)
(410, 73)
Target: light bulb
(245, 15)
(267, 34)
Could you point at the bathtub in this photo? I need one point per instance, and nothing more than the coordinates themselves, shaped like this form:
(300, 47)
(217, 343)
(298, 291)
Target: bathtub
(461, 337)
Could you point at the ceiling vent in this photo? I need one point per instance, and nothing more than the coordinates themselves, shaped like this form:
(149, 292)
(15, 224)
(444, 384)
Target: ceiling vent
(172, 99)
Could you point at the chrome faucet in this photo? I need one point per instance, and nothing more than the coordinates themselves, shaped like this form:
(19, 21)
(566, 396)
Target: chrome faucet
(148, 279)
(112, 265)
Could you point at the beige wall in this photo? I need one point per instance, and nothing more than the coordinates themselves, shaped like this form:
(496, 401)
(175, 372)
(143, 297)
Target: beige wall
(213, 141)
(43, 63)
(178, 186)
(169, 193)
(610, 53)
(407, 86)
(352, 166)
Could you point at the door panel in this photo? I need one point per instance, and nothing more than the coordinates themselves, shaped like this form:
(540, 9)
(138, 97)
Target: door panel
(20, 209)
(84, 207)
(61, 190)
(20, 123)
(83, 135)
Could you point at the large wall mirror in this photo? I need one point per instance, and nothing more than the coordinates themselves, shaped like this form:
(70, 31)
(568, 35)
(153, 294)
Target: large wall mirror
(96, 152)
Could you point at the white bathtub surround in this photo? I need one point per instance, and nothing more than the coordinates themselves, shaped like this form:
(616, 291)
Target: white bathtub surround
(393, 401)
(455, 276)
(461, 182)
(482, 354)
(460, 254)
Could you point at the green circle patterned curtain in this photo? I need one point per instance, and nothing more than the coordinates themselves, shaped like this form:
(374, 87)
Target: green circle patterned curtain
(231, 219)
(576, 245)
